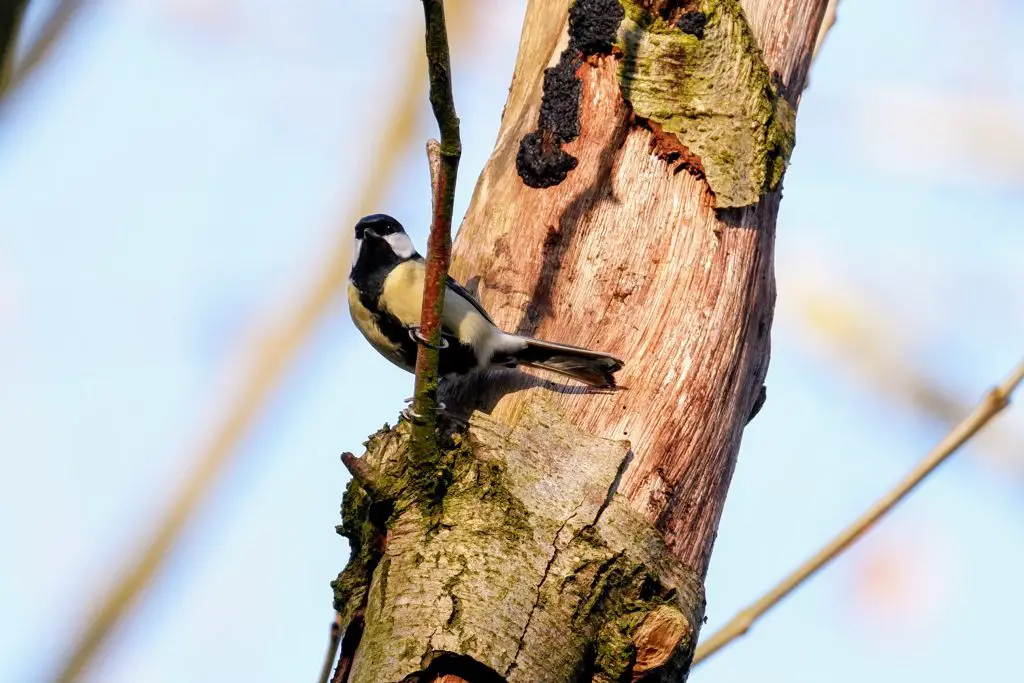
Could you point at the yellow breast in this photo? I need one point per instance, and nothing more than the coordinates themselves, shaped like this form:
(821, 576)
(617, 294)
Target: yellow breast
(367, 325)
(403, 297)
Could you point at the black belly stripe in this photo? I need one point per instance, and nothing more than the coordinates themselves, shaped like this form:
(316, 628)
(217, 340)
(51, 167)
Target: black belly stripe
(456, 358)
(393, 329)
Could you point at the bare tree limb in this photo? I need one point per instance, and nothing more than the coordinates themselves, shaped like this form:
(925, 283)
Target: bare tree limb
(439, 244)
(991, 405)
(542, 258)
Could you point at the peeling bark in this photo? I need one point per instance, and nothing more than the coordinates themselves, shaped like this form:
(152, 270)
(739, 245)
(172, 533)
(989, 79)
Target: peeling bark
(563, 536)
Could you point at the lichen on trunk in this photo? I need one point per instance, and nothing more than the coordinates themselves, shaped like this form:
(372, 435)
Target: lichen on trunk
(524, 543)
(706, 83)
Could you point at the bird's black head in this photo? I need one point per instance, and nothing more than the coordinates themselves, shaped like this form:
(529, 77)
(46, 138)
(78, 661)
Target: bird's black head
(380, 245)
(378, 225)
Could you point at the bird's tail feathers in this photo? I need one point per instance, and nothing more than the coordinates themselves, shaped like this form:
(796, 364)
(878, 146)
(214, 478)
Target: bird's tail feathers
(593, 368)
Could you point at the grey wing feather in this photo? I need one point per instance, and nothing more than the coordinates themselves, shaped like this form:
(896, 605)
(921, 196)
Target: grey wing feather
(464, 293)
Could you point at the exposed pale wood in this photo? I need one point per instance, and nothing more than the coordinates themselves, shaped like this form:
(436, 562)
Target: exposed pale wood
(658, 637)
(787, 32)
(628, 256)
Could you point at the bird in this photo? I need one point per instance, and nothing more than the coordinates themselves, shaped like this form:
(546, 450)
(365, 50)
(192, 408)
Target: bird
(385, 296)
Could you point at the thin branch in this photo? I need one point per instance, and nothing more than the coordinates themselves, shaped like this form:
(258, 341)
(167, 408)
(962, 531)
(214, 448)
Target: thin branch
(362, 472)
(271, 357)
(434, 163)
(332, 648)
(991, 405)
(349, 643)
(440, 242)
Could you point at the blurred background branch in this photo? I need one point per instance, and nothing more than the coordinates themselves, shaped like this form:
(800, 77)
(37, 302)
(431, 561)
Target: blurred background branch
(879, 350)
(991, 405)
(271, 356)
(332, 649)
(11, 13)
(16, 70)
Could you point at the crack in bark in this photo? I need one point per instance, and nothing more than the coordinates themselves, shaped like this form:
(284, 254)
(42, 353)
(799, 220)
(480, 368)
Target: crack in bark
(425, 659)
(614, 487)
(540, 587)
(609, 494)
(449, 588)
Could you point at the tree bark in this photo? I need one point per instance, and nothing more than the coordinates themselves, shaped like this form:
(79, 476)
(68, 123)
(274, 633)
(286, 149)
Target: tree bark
(629, 206)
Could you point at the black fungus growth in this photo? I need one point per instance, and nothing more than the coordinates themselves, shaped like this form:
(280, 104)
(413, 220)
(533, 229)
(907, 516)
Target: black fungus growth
(541, 162)
(593, 25)
(542, 165)
(560, 104)
(693, 23)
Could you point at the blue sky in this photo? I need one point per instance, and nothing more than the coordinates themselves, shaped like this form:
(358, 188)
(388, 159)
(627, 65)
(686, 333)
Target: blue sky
(173, 177)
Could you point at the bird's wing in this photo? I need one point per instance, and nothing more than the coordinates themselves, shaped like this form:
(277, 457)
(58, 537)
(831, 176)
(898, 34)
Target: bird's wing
(403, 292)
(464, 293)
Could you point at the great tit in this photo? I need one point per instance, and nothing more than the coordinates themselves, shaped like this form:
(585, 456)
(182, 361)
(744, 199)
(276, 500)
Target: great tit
(385, 295)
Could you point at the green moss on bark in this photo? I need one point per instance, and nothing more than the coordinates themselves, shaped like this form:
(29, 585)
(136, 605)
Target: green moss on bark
(714, 93)
(449, 484)
(498, 549)
(352, 583)
(623, 592)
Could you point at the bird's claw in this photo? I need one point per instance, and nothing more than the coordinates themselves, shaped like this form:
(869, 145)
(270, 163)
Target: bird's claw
(410, 414)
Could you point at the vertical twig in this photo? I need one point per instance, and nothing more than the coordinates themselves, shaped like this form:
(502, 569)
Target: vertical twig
(332, 648)
(994, 402)
(439, 243)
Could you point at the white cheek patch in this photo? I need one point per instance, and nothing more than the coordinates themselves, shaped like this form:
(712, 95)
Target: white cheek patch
(400, 244)
(355, 251)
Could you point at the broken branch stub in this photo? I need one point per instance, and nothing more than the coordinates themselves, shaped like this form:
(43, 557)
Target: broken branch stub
(516, 540)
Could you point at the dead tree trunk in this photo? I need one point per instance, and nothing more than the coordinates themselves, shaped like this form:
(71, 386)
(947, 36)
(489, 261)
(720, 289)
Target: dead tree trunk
(629, 206)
